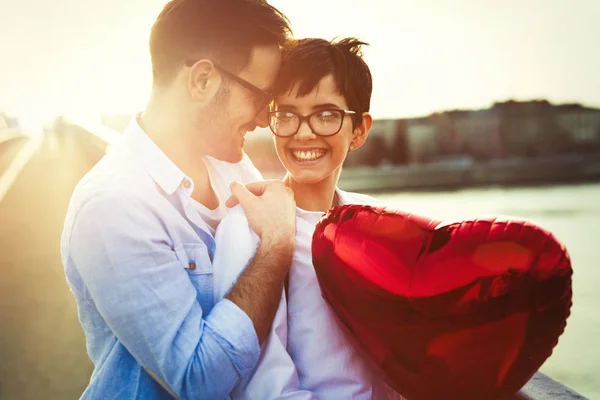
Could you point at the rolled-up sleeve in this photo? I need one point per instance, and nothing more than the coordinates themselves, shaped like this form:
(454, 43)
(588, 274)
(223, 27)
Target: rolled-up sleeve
(125, 258)
(234, 331)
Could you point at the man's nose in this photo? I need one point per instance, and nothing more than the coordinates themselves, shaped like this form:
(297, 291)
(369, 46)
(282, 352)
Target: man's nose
(262, 118)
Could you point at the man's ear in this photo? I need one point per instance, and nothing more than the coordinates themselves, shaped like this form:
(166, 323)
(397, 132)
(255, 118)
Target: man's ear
(203, 81)
(361, 132)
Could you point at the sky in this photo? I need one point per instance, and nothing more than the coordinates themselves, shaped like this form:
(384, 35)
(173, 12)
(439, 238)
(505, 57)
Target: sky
(84, 57)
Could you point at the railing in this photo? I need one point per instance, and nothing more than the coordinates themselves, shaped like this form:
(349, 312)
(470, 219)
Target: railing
(8, 134)
(540, 387)
(92, 137)
(103, 134)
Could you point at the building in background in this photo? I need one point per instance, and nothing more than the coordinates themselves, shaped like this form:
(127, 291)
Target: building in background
(582, 125)
(529, 129)
(473, 133)
(511, 129)
(381, 145)
(423, 139)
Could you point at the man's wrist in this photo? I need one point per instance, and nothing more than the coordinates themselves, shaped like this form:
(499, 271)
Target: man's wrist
(280, 247)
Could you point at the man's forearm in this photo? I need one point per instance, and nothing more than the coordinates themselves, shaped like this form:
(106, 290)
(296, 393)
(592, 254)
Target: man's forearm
(258, 289)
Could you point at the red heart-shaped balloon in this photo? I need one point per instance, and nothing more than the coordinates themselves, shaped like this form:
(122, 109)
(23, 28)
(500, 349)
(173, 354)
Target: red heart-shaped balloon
(462, 310)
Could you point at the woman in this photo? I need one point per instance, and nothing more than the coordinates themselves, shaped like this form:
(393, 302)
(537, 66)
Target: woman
(320, 114)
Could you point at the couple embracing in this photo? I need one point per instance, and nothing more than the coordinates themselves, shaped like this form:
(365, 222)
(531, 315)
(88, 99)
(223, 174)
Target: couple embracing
(193, 276)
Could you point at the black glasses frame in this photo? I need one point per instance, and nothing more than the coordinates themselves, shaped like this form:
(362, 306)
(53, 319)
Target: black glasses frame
(302, 118)
(265, 97)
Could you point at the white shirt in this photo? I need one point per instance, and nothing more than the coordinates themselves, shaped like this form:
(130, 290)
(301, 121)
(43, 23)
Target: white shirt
(321, 355)
(275, 376)
(221, 174)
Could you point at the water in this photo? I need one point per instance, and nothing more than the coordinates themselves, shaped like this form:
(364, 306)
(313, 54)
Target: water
(572, 213)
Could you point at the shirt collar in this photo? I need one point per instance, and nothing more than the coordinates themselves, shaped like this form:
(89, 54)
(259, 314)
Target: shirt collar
(162, 170)
(342, 196)
(343, 199)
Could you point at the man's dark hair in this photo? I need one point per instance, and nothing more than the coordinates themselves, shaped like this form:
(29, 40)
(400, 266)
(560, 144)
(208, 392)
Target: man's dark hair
(223, 30)
(307, 61)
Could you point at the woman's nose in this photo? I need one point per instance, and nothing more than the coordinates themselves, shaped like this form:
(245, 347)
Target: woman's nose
(304, 132)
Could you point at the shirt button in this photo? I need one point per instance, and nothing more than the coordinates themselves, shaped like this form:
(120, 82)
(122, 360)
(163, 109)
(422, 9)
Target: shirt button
(186, 184)
(192, 265)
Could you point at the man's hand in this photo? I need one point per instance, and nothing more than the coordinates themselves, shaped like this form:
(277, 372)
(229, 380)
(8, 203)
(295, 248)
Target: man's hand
(269, 207)
(271, 212)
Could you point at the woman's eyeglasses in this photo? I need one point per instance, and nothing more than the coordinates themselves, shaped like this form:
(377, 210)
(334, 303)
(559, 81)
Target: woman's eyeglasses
(322, 123)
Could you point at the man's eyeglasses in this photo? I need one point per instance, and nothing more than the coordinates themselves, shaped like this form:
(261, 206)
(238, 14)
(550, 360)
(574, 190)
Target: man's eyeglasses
(322, 122)
(263, 97)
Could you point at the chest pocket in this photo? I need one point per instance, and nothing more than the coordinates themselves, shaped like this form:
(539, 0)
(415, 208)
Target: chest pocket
(194, 258)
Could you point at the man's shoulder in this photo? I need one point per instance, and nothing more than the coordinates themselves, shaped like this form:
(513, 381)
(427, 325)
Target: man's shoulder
(113, 182)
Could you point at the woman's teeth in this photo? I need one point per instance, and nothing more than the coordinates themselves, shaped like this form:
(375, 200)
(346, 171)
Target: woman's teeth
(309, 155)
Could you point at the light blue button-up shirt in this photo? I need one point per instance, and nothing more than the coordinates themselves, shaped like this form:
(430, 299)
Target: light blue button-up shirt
(137, 257)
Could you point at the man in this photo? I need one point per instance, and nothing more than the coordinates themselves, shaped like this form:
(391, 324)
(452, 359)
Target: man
(139, 234)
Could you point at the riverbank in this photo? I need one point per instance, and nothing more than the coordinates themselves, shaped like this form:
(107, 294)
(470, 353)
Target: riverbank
(457, 175)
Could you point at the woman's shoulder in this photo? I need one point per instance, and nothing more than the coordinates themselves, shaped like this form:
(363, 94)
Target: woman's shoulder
(356, 198)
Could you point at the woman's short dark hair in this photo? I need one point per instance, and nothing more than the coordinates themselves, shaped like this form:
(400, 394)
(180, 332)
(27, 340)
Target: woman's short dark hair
(224, 30)
(307, 61)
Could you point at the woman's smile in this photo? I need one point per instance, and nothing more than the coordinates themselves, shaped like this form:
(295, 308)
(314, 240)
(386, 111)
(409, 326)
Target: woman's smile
(307, 155)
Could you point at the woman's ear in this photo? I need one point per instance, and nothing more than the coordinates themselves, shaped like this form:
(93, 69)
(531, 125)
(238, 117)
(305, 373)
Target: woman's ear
(361, 132)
